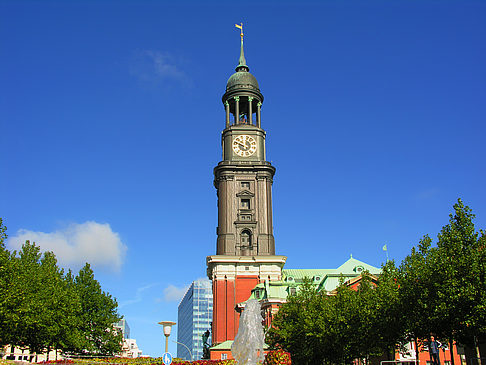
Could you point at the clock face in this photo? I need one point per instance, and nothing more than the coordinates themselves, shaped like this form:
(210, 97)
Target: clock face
(244, 145)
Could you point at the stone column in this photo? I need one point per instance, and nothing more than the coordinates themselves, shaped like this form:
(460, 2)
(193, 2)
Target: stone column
(237, 109)
(226, 104)
(259, 115)
(250, 110)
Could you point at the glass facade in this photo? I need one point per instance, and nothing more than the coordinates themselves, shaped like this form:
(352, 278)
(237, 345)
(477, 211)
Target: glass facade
(123, 326)
(195, 314)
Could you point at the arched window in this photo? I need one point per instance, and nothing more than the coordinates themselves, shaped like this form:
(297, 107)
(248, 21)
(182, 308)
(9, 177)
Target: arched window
(246, 238)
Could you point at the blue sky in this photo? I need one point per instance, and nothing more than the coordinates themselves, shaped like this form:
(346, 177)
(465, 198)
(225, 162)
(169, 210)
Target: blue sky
(111, 117)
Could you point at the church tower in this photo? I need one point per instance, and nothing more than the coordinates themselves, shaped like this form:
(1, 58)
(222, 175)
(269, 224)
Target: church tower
(245, 246)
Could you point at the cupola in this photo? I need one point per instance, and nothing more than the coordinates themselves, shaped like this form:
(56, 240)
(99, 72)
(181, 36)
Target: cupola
(242, 99)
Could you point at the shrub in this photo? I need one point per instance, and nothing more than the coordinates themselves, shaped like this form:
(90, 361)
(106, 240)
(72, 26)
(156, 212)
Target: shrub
(277, 357)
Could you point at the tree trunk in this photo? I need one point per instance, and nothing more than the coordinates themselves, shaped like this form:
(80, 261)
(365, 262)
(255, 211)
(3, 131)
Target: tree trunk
(416, 351)
(476, 350)
(451, 350)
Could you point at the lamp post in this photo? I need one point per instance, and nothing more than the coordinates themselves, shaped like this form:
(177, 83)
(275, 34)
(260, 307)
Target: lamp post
(180, 343)
(167, 328)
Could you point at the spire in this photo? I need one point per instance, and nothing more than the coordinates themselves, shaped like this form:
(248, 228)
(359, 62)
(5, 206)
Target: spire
(242, 62)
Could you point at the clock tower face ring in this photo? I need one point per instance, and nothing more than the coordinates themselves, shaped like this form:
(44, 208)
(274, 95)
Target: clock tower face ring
(244, 145)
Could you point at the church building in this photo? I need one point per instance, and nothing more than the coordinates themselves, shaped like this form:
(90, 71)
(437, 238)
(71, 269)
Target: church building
(245, 249)
(246, 264)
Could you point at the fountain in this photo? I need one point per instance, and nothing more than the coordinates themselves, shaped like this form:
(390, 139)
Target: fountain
(247, 348)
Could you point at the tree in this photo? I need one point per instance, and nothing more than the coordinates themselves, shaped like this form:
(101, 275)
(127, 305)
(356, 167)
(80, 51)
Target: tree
(443, 288)
(386, 320)
(363, 322)
(316, 328)
(70, 336)
(98, 315)
(8, 296)
(59, 304)
(415, 287)
(295, 328)
(41, 308)
(458, 301)
(31, 324)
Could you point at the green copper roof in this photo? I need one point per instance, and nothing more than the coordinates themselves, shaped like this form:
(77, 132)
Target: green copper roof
(353, 265)
(226, 345)
(328, 279)
(242, 61)
(323, 279)
(242, 78)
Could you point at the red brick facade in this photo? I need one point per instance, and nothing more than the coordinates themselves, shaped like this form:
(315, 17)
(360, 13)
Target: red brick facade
(226, 294)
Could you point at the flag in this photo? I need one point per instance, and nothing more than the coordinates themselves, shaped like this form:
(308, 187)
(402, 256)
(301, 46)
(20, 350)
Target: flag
(239, 26)
(384, 248)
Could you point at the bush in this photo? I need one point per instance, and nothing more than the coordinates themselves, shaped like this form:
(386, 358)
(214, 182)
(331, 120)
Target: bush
(277, 357)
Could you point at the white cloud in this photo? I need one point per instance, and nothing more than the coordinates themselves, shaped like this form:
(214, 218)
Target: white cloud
(138, 295)
(173, 293)
(156, 66)
(77, 244)
(163, 64)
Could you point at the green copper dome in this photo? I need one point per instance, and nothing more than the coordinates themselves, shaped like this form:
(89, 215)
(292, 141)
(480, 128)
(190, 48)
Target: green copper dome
(242, 84)
(242, 80)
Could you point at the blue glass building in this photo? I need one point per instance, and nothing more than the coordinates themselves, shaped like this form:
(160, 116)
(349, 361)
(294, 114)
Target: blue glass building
(195, 314)
(124, 328)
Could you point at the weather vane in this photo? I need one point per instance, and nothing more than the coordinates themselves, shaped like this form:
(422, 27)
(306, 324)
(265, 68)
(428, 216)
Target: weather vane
(241, 29)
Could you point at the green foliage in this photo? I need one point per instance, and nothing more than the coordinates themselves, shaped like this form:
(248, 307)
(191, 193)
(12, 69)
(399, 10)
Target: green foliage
(7, 280)
(295, 329)
(277, 357)
(415, 286)
(43, 308)
(316, 328)
(459, 310)
(98, 313)
(438, 289)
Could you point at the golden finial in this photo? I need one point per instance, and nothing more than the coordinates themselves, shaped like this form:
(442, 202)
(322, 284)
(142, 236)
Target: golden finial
(241, 29)
(242, 61)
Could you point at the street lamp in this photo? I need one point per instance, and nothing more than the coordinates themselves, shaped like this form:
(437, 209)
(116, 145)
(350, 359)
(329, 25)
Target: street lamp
(167, 328)
(180, 343)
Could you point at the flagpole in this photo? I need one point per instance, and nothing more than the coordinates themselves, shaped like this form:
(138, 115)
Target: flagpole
(386, 251)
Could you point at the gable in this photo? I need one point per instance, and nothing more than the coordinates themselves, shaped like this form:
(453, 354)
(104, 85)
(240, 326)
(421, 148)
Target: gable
(245, 193)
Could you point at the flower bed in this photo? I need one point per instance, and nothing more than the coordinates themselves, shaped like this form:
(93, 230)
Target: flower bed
(278, 357)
